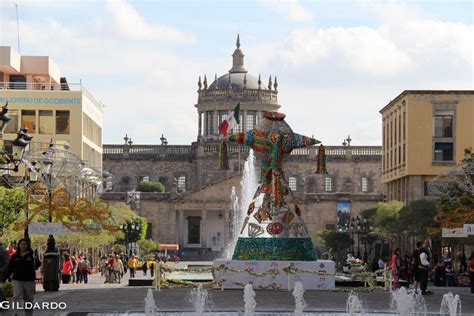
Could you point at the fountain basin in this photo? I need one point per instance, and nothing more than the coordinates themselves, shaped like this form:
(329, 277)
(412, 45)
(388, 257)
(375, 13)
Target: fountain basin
(235, 274)
(283, 249)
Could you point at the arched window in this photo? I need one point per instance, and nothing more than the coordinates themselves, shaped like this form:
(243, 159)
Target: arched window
(292, 182)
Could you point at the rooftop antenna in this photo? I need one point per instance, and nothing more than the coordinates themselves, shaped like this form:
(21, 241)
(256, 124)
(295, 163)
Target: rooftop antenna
(17, 27)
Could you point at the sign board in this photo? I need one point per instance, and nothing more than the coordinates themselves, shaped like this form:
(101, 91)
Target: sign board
(315, 275)
(469, 229)
(453, 233)
(46, 228)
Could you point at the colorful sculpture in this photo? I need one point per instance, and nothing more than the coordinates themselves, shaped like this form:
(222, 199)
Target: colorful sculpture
(273, 228)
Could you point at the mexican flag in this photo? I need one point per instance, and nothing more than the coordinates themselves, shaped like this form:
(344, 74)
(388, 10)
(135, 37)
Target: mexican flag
(230, 122)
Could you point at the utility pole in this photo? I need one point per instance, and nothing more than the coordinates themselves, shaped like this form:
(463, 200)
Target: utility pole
(17, 27)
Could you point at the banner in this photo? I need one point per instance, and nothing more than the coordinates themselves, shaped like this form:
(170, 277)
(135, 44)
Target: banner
(453, 233)
(235, 274)
(46, 228)
(343, 217)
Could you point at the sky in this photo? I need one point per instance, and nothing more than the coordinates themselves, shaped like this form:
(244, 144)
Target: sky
(337, 62)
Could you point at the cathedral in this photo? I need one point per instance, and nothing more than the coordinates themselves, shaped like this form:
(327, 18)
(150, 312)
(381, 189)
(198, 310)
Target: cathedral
(195, 211)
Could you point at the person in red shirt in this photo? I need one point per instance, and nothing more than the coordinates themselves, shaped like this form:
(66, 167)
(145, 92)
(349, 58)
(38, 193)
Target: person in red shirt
(66, 270)
(11, 250)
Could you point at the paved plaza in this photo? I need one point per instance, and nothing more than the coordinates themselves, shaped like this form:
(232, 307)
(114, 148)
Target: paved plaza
(98, 297)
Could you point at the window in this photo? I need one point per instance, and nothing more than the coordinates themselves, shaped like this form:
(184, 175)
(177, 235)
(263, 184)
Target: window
(108, 186)
(292, 183)
(62, 122)
(12, 126)
(365, 185)
(328, 184)
(145, 179)
(223, 115)
(194, 230)
(17, 82)
(443, 126)
(443, 152)
(238, 128)
(46, 122)
(250, 120)
(404, 131)
(209, 123)
(395, 131)
(28, 120)
(182, 184)
(149, 231)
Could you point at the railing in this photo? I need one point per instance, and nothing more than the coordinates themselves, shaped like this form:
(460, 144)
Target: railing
(240, 94)
(53, 86)
(151, 151)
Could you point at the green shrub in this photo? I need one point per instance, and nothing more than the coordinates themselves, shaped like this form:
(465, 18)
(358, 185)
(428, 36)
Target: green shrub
(150, 186)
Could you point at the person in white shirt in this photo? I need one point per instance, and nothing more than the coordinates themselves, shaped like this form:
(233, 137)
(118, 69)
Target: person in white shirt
(424, 266)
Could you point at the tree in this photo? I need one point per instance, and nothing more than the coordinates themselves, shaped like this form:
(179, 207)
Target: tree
(417, 217)
(148, 246)
(11, 206)
(150, 186)
(338, 242)
(456, 193)
(386, 217)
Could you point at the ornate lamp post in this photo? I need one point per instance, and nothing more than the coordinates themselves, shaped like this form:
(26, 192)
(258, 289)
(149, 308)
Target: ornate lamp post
(130, 231)
(361, 227)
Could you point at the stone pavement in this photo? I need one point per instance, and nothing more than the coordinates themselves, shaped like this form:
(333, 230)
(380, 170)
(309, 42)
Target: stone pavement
(99, 297)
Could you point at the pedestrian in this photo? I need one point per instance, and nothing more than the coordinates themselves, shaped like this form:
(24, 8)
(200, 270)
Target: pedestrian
(132, 265)
(395, 265)
(471, 271)
(152, 269)
(463, 263)
(425, 260)
(74, 269)
(85, 267)
(439, 274)
(118, 268)
(415, 257)
(450, 277)
(66, 270)
(78, 269)
(110, 278)
(4, 260)
(145, 267)
(22, 271)
(11, 249)
(381, 264)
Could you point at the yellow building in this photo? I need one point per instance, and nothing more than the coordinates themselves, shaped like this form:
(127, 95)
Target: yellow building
(424, 134)
(50, 107)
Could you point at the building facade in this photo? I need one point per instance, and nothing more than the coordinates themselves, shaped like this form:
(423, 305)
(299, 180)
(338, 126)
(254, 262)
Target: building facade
(50, 107)
(195, 211)
(424, 134)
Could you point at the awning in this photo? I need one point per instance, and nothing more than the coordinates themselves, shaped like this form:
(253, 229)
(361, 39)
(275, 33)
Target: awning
(169, 247)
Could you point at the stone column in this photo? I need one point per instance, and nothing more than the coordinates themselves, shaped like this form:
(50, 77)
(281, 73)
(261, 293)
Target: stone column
(244, 121)
(181, 228)
(205, 123)
(203, 229)
(199, 124)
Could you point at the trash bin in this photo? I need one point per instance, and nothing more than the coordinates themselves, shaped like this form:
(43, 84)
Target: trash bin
(51, 271)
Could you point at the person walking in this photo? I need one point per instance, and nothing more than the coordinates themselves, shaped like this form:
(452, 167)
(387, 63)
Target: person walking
(132, 265)
(425, 259)
(395, 265)
(415, 257)
(66, 270)
(22, 271)
(145, 267)
(85, 267)
(78, 270)
(4, 260)
(471, 271)
(74, 269)
(118, 269)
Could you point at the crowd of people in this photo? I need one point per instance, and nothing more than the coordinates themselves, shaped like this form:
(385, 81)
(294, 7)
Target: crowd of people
(419, 267)
(75, 269)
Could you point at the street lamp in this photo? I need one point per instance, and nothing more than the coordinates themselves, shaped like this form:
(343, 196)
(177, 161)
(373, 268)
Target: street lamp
(18, 147)
(130, 230)
(4, 118)
(361, 227)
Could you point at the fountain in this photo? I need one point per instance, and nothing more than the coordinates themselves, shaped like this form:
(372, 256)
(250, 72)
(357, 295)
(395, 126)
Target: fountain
(451, 305)
(273, 245)
(354, 305)
(408, 302)
(249, 299)
(298, 293)
(198, 298)
(150, 305)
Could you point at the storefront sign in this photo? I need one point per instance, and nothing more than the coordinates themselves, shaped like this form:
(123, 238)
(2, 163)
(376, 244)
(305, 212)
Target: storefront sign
(469, 229)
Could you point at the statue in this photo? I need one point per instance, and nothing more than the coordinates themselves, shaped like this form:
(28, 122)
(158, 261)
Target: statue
(273, 228)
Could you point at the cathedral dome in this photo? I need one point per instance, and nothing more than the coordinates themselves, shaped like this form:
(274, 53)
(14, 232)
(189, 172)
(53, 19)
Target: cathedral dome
(238, 80)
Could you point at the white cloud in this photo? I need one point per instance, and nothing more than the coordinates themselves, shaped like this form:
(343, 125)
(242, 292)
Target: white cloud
(129, 23)
(292, 10)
